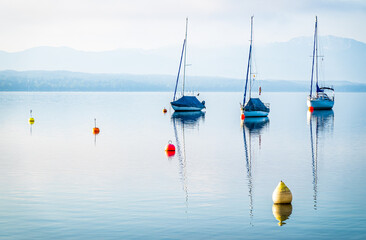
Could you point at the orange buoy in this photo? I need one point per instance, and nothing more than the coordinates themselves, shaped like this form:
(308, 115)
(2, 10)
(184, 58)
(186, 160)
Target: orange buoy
(242, 117)
(95, 129)
(311, 109)
(164, 110)
(170, 147)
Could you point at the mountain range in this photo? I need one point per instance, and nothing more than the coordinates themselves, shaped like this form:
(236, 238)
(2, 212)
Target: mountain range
(222, 68)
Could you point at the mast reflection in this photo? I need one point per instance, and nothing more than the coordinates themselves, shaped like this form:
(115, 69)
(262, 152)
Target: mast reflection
(252, 127)
(319, 122)
(182, 120)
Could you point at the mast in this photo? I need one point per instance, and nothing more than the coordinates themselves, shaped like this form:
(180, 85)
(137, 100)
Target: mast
(249, 70)
(185, 57)
(250, 65)
(315, 53)
(180, 64)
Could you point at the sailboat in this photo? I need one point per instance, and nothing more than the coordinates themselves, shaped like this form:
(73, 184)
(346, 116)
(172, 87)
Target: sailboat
(320, 100)
(253, 107)
(185, 103)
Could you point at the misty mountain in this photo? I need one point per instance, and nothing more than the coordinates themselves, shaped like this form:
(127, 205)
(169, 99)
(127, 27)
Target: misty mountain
(343, 60)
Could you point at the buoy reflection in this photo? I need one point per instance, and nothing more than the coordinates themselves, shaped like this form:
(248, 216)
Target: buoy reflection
(281, 212)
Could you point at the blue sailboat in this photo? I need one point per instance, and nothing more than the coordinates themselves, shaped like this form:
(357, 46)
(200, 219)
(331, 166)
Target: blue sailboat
(185, 103)
(252, 107)
(323, 99)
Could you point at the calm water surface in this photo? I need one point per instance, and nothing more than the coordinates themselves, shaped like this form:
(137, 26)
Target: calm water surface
(59, 181)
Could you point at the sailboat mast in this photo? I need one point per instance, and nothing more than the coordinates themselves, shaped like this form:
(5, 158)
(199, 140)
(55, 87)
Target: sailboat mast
(314, 54)
(249, 62)
(316, 51)
(185, 58)
(180, 64)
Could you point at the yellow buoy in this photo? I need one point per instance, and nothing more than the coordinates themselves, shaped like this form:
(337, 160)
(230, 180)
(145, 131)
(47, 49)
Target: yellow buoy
(282, 194)
(281, 212)
(31, 119)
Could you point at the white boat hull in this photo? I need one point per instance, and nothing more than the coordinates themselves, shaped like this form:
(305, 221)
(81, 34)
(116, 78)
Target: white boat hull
(320, 104)
(186, 109)
(255, 114)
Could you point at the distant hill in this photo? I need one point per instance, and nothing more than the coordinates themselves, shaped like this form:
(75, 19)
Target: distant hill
(344, 60)
(76, 81)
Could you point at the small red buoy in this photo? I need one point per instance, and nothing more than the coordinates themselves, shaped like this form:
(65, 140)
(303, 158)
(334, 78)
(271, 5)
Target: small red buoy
(164, 110)
(170, 147)
(170, 153)
(242, 117)
(95, 129)
(311, 109)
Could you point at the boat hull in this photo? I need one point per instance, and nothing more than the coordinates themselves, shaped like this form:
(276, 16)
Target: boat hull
(255, 114)
(320, 104)
(185, 108)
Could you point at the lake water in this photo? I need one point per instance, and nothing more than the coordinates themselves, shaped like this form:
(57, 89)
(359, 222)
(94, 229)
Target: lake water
(59, 181)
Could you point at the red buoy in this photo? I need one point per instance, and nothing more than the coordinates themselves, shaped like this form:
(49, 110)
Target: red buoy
(170, 153)
(170, 147)
(164, 110)
(242, 117)
(311, 109)
(95, 130)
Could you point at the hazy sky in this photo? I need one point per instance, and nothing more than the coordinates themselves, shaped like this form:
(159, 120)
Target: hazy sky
(97, 25)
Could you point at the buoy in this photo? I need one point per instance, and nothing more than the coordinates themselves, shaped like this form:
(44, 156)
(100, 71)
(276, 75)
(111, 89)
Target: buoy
(170, 147)
(164, 110)
(95, 129)
(170, 153)
(242, 117)
(281, 212)
(282, 194)
(31, 119)
(311, 109)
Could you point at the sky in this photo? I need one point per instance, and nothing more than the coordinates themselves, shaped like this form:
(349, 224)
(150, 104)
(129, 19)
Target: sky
(100, 25)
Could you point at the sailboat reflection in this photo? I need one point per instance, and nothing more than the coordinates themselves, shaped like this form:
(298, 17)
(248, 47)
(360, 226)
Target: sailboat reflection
(252, 127)
(184, 120)
(324, 122)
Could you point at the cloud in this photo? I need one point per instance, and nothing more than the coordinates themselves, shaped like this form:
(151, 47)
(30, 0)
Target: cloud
(110, 24)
